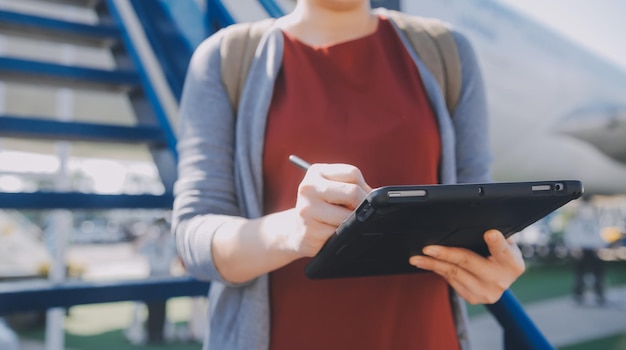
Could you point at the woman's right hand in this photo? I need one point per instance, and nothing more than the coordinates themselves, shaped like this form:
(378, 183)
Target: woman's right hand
(244, 249)
(326, 197)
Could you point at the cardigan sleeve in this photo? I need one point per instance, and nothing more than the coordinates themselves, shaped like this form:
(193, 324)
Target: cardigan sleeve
(471, 122)
(205, 195)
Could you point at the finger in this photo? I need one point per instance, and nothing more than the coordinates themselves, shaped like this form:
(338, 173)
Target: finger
(338, 193)
(469, 286)
(345, 194)
(496, 242)
(446, 269)
(462, 280)
(468, 293)
(333, 191)
(468, 259)
(342, 173)
(324, 212)
(502, 250)
(466, 271)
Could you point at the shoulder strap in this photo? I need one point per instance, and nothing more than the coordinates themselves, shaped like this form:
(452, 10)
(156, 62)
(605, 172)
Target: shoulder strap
(237, 51)
(430, 38)
(434, 44)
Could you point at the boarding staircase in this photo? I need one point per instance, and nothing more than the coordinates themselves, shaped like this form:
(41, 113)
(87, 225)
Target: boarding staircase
(116, 31)
(134, 76)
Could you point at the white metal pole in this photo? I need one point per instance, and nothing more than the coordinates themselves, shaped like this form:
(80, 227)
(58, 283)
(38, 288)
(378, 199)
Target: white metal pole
(3, 91)
(62, 220)
(10, 340)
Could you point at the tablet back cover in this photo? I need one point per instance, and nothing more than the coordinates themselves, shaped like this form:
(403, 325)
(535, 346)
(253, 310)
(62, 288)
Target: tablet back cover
(394, 223)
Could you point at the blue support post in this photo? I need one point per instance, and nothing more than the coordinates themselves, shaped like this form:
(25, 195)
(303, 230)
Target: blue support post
(272, 8)
(519, 330)
(217, 16)
(166, 157)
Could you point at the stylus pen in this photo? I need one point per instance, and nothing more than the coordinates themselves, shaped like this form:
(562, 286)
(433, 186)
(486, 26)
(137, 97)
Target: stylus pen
(299, 162)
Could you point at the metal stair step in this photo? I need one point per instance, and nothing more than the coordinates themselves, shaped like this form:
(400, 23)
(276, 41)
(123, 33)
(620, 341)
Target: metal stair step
(78, 3)
(79, 200)
(22, 296)
(45, 129)
(52, 74)
(50, 29)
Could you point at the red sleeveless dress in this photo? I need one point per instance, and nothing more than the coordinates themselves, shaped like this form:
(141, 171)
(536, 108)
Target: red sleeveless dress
(359, 102)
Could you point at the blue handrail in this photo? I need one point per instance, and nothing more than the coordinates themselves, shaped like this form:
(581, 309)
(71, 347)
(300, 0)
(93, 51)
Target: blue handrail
(22, 296)
(519, 330)
(272, 8)
(171, 48)
(217, 16)
(151, 92)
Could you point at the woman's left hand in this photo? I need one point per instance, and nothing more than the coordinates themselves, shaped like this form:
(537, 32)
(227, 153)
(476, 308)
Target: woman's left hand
(477, 279)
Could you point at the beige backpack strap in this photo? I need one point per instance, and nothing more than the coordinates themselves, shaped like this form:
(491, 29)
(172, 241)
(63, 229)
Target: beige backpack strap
(435, 46)
(237, 51)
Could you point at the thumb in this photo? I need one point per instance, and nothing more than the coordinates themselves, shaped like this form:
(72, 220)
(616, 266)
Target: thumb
(499, 247)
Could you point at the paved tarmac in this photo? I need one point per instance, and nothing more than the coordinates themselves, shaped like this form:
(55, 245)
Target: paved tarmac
(561, 320)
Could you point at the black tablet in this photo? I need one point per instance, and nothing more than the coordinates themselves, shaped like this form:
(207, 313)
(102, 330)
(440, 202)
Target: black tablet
(394, 223)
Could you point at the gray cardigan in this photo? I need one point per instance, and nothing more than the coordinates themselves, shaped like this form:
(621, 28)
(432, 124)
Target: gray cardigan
(220, 172)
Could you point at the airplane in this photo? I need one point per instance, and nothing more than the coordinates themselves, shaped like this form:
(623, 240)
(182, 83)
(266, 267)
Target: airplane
(556, 110)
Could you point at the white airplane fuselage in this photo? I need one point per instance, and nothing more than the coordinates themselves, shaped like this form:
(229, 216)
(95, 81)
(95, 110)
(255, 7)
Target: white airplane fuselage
(556, 110)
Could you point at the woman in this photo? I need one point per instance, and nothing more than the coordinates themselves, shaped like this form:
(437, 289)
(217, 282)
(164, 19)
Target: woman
(334, 83)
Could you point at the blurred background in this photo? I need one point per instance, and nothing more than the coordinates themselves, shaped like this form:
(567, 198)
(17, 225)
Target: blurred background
(88, 108)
